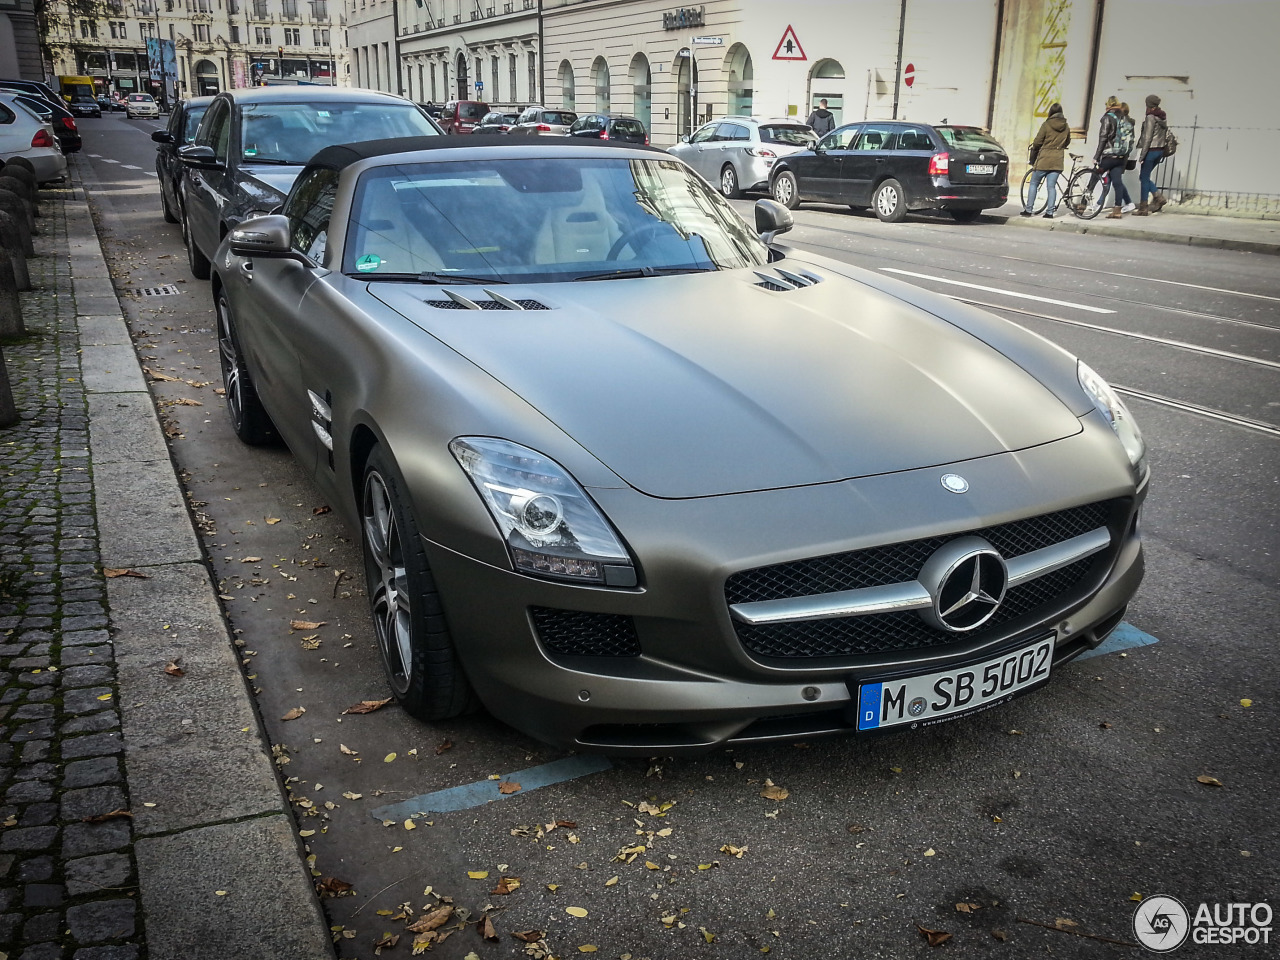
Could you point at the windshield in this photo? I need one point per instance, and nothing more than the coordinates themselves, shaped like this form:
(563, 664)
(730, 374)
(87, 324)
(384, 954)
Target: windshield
(967, 137)
(468, 110)
(796, 136)
(542, 219)
(141, 98)
(294, 132)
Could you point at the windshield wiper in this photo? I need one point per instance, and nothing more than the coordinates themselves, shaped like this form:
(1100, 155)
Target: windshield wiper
(431, 276)
(632, 274)
(273, 160)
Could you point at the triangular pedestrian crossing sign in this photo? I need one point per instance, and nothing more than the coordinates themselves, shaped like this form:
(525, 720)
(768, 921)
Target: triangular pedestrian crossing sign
(789, 47)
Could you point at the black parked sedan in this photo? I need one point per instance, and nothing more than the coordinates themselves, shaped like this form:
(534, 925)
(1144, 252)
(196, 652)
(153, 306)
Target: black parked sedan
(252, 144)
(893, 167)
(84, 106)
(496, 123)
(184, 119)
(599, 126)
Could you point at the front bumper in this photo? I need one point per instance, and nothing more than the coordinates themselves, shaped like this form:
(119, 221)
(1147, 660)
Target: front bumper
(694, 686)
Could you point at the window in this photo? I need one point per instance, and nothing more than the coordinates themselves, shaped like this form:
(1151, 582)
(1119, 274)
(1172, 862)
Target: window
(511, 75)
(914, 138)
(319, 10)
(203, 6)
(705, 134)
(260, 9)
(202, 32)
(839, 139)
(493, 78)
(875, 137)
(733, 131)
(533, 75)
(7, 115)
(118, 29)
(233, 6)
(308, 210)
(216, 131)
(292, 37)
(146, 29)
(235, 33)
(262, 36)
(88, 30)
(432, 70)
(289, 9)
(321, 37)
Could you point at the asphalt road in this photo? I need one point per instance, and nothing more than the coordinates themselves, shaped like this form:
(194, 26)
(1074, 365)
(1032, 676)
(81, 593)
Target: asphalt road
(1053, 810)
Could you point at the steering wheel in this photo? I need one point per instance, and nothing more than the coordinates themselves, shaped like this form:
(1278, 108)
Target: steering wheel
(636, 237)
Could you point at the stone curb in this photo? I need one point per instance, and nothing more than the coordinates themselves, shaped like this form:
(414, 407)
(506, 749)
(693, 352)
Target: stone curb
(1070, 224)
(195, 748)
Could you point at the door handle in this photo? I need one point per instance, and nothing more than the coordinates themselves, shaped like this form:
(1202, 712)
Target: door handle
(246, 271)
(881, 159)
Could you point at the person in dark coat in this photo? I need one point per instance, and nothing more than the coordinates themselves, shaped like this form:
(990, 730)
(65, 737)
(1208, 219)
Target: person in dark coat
(1151, 146)
(822, 120)
(1049, 149)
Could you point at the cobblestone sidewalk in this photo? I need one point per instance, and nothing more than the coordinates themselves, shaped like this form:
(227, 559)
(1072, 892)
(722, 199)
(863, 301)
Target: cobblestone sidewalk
(68, 881)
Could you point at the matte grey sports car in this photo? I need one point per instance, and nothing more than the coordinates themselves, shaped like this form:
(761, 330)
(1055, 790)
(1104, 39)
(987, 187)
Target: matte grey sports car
(639, 479)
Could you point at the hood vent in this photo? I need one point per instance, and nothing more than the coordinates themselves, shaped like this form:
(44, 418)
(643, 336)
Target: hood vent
(497, 301)
(782, 280)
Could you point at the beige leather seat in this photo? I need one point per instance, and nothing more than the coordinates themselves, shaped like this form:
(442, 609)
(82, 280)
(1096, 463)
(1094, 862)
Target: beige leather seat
(384, 231)
(581, 232)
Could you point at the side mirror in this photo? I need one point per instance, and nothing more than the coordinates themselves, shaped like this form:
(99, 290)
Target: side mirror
(162, 136)
(267, 236)
(685, 138)
(772, 218)
(820, 147)
(197, 155)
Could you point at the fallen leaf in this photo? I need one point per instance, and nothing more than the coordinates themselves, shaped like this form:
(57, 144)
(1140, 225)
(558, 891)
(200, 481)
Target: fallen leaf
(173, 670)
(775, 792)
(112, 572)
(333, 887)
(1209, 781)
(576, 911)
(104, 817)
(347, 750)
(1246, 702)
(250, 559)
(1062, 923)
(294, 714)
(734, 851)
(185, 402)
(529, 936)
(107, 696)
(158, 376)
(931, 852)
(707, 935)
(612, 882)
(999, 934)
(968, 907)
(936, 938)
(304, 624)
(505, 886)
(367, 706)
(410, 825)
(429, 921)
(441, 747)
(588, 948)
(317, 511)
(508, 786)
(1137, 897)
(389, 757)
(388, 940)
(478, 874)
(272, 521)
(486, 929)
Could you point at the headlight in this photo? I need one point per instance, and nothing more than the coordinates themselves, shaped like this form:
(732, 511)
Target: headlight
(1109, 404)
(552, 528)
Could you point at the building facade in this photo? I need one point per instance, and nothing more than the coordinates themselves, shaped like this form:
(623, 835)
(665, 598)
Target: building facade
(217, 44)
(19, 41)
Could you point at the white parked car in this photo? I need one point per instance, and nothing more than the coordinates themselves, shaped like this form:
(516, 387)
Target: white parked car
(140, 105)
(737, 153)
(24, 134)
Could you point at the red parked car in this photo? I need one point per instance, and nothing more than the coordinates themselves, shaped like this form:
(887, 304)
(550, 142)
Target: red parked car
(462, 116)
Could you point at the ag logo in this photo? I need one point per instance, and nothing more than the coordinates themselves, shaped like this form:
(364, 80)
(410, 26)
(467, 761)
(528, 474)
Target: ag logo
(1161, 923)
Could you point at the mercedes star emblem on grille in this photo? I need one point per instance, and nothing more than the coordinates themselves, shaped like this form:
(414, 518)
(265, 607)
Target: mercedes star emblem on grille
(966, 579)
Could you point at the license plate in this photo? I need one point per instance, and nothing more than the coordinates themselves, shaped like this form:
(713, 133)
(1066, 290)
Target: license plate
(980, 168)
(935, 697)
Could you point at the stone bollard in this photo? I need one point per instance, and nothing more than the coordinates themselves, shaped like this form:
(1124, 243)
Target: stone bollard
(23, 162)
(8, 411)
(11, 247)
(27, 177)
(17, 186)
(11, 324)
(12, 204)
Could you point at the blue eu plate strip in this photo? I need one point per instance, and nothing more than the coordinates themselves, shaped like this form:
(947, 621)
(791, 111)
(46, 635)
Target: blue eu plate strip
(485, 791)
(1124, 637)
(869, 707)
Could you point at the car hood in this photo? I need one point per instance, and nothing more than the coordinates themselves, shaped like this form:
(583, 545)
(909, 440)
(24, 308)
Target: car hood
(275, 179)
(698, 385)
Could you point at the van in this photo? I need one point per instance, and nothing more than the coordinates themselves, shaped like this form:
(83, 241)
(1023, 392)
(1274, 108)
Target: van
(462, 116)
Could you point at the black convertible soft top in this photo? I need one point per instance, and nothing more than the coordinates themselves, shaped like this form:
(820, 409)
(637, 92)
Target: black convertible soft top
(343, 155)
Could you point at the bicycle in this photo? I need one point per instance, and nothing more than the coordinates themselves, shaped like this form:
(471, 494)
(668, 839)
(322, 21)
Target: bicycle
(1086, 201)
(1060, 191)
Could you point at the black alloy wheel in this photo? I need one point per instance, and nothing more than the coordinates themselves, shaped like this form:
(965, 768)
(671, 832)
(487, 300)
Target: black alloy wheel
(249, 419)
(408, 619)
(196, 260)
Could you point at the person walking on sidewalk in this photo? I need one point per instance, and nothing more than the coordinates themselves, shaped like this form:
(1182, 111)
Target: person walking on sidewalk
(822, 120)
(1129, 163)
(1048, 153)
(1113, 150)
(1151, 147)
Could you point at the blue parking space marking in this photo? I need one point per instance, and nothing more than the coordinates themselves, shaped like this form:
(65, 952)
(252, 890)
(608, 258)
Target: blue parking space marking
(486, 791)
(1123, 637)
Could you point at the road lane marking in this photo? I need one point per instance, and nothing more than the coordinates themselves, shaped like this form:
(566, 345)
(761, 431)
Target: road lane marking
(95, 156)
(152, 173)
(1186, 407)
(1150, 338)
(486, 791)
(1131, 276)
(1124, 637)
(109, 160)
(1007, 293)
(129, 166)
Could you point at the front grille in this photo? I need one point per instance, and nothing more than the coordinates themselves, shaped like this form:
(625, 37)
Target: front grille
(574, 633)
(901, 563)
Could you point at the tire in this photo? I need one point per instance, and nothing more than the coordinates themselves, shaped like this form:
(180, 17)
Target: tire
(1083, 202)
(198, 262)
(1042, 195)
(249, 418)
(889, 202)
(786, 190)
(966, 216)
(169, 215)
(417, 651)
(729, 187)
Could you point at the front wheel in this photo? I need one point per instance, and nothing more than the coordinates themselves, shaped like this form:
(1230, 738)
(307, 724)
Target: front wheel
(408, 620)
(249, 418)
(889, 202)
(169, 216)
(1085, 201)
(785, 189)
(729, 183)
(198, 262)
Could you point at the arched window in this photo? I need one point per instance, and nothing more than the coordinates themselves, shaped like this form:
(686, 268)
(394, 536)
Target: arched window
(827, 82)
(737, 66)
(642, 90)
(600, 80)
(686, 69)
(460, 73)
(206, 72)
(568, 99)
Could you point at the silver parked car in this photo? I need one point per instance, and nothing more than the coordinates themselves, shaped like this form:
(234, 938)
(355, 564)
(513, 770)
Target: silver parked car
(24, 134)
(738, 153)
(641, 481)
(539, 121)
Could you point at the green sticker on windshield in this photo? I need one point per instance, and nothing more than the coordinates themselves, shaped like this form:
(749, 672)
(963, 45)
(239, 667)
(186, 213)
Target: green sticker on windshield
(370, 261)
